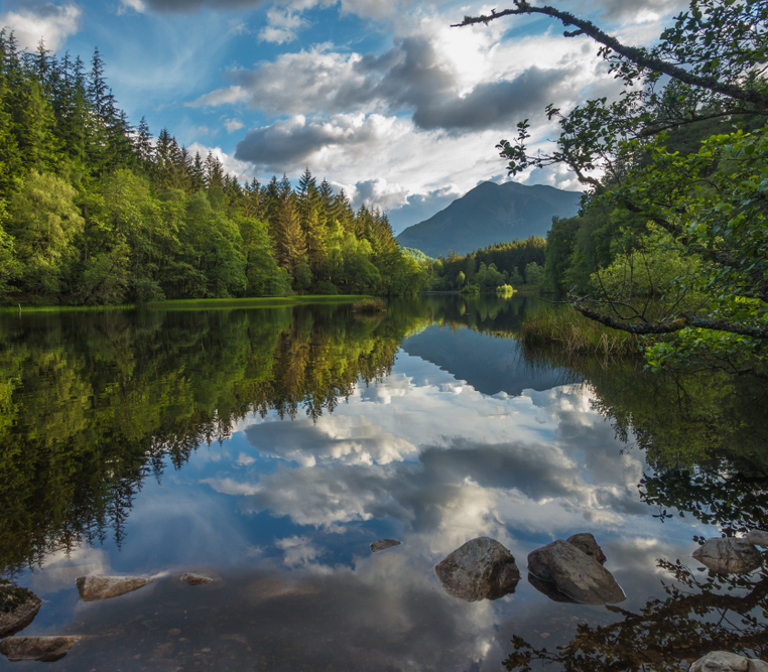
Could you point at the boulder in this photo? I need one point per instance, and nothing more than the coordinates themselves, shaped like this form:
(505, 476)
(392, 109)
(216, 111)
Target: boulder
(18, 607)
(728, 555)
(384, 544)
(757, 537)
(586, 543)
(93, 588)
(42, 649)
(723, 661)
(195, 579)
(480, 569)
(575, 574)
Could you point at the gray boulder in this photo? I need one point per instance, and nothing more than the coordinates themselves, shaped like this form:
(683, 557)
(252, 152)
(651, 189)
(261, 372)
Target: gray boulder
(757, 537)
(18, 607)
(723, 661)
(42, 649)
(480, 569)
(586, 543)
(384, 544)
(195, 579)
(93, 588)
(575, 574)
(728, 555)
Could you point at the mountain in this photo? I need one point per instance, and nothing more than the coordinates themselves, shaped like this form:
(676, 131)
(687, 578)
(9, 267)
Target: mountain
(490, 213)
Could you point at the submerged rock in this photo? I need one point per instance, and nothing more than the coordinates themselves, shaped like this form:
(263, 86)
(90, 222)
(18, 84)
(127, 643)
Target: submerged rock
(42, 649)
(481, 568)
(384, 544)
(93, 588)
(757, 537)
(586, 543)
(575, 574)
(196, 579)
(18, 607)
(723, 661)
(728, 555)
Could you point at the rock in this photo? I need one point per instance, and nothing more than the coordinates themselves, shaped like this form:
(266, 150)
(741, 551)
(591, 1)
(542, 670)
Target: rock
(549, 589)
(481, 568)
(728, 555)
(723, 661)
(586, 543)
(43, 649)
(384, 544)
(104, 587)
(18, 607)
(757, 537)
(196, 579)
(575, 574)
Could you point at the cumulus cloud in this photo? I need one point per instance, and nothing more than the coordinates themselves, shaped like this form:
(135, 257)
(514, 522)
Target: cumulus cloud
(288, 144)
(282, 26)
(412, 77)
(46, 21)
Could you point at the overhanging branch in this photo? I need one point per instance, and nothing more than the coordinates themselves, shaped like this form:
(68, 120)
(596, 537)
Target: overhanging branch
(638, 56)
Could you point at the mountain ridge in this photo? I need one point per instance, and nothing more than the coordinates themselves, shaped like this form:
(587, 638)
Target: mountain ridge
(490, 213)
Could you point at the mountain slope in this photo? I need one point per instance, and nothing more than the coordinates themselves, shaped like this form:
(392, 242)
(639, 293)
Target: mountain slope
(490, 213)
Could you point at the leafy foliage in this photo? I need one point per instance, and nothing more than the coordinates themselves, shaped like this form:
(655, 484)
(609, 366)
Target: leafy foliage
(93, 211)
(711, 201)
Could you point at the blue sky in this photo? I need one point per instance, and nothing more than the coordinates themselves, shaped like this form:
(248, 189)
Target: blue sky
(381, 97)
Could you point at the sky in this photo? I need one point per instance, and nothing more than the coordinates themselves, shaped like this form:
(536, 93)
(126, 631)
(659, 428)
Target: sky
(381, 97)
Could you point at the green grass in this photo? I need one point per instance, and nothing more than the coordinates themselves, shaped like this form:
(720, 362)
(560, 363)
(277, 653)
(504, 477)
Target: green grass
(574, 333)
(203, 304)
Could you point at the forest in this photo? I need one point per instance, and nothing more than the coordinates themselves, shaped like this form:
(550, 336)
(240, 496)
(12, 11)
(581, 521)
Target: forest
(507, 263)
(96, 211)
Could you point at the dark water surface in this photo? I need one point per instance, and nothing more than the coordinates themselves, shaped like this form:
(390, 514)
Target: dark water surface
(269, 447)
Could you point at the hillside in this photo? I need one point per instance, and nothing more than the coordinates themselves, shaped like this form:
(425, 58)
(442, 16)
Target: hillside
(490, 213)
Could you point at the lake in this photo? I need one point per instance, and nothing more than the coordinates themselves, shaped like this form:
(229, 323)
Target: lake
(268, 448)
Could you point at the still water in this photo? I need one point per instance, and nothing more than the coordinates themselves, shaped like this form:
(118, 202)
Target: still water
(267, 448)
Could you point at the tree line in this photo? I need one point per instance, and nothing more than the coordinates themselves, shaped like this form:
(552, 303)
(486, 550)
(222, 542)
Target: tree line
(96, 211)
(508, 263)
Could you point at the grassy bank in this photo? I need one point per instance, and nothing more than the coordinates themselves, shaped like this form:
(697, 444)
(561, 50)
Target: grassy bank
(574, 333)
(202, 304)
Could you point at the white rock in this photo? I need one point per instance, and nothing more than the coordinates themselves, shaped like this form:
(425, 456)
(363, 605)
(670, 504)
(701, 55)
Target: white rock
(105, 587)
(757, 537)
(723, 661)
(728, 555)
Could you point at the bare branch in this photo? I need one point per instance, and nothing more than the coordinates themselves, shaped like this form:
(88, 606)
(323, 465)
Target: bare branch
(638, 56)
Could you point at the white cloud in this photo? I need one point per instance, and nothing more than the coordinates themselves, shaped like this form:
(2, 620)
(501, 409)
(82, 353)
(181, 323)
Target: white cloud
(135, 5)
(282, 26)
(233, 125)
(52, 23)
(223, 96)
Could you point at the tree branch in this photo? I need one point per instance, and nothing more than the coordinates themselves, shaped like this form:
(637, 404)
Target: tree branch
(634, 54)
(675, 325)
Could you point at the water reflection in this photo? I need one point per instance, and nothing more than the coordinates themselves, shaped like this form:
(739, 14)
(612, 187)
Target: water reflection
(270, 448)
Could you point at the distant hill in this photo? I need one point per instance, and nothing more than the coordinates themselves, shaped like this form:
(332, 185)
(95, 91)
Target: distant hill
(418, 255)
(490, 213)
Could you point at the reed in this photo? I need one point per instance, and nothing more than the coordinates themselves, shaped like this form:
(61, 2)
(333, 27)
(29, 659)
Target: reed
(370, 306)
(574, 333)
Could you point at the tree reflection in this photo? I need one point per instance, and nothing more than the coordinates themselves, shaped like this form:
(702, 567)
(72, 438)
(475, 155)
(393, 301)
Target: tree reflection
(99, 402)
(704, 438)
(697, 616)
